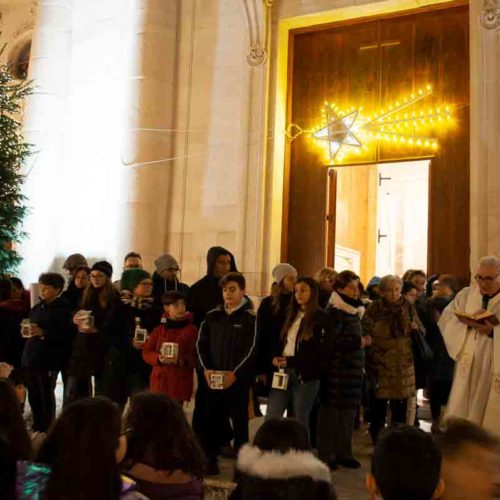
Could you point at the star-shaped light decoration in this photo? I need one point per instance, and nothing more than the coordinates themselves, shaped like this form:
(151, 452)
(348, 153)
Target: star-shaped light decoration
(405, 123)
(338, 131)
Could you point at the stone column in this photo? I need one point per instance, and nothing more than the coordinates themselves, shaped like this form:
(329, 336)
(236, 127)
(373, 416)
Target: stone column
(485, 129)
(45, 128)
(149, 130)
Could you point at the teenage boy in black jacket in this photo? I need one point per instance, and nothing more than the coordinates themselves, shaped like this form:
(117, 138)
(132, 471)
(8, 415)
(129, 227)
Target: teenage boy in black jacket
(226, 350)
(46, 351)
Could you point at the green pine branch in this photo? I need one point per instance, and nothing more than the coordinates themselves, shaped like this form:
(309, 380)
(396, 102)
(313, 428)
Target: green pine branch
(14, 152)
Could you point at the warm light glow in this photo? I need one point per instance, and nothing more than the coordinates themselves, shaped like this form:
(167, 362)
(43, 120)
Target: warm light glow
(403, 123)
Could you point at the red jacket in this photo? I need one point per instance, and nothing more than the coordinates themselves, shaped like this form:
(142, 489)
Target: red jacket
(174, 380)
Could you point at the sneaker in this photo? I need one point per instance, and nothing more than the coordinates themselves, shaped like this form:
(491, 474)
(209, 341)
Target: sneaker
(349, 463)
(212, 468)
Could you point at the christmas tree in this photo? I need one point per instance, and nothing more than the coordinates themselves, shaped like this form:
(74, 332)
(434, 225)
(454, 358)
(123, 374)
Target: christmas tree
(13, 153)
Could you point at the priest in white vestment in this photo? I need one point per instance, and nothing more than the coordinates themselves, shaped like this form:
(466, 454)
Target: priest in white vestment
(475, 394)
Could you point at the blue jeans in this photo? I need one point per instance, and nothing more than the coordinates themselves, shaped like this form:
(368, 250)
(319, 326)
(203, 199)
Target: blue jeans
(302, 396)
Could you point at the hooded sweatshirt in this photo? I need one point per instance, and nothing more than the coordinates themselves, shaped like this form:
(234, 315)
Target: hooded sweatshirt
(206, 293)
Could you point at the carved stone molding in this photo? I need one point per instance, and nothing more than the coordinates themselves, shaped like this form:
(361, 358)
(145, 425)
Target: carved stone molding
(490, 14)
(258, 14)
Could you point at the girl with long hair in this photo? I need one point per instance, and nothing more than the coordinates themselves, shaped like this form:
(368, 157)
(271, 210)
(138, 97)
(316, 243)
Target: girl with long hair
(299, 354)
(271, 317)
(80, 455)
(89, 348)
(163, 456)
(15, 443)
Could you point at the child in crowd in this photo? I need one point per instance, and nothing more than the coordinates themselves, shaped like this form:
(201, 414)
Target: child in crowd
(471, 462)
(299, 354)
(79, 458)
(226, 351)
(406, 464)
(74, 294)
(281, 465)
(127, 326)
(46, 351)
(173, 372)
(15, 443)
(163, 456)
(89, 349)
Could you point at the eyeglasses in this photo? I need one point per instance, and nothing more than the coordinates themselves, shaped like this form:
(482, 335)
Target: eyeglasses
(485, 279)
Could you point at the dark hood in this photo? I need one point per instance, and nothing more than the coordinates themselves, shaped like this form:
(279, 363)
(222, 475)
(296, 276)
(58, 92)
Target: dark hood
(213, 254)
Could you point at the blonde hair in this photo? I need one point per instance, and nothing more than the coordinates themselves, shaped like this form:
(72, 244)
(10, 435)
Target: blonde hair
(326, 274)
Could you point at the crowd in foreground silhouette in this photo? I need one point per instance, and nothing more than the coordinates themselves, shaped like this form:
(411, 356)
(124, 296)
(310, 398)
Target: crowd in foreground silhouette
(323, 351)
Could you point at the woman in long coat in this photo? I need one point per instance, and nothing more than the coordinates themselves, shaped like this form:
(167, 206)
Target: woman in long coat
(390, 364)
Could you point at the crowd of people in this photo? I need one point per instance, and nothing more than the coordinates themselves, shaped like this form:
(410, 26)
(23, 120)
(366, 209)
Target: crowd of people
(323, 351)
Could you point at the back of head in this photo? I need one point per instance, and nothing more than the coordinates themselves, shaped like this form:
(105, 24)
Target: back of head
(460, 433)
(471, 461)
(81, 450)
(282, 435)
(159, 435)
(406, 464)
(12, 426)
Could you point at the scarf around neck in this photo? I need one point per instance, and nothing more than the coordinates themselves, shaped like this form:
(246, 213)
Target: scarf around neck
(346, 304)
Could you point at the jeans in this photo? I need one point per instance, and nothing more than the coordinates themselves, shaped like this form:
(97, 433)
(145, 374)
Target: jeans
(335, 428)
(301, 394)
(41, 385)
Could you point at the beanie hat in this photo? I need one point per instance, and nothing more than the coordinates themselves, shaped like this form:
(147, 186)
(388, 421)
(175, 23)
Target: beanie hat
(74, 260)
(282, 270)
(132, 277)
(373, 282)
(104, 267)
(165, 261)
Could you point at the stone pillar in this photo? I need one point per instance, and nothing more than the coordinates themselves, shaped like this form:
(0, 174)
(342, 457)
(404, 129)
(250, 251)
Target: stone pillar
(45, 128)
(485, 129)
(149, 133)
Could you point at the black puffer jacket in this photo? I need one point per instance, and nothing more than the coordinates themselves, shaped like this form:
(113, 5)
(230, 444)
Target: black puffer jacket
(206, 294)
(293, 475)
(342, 379)
(53, 351)
(270, 324)
(227, 342)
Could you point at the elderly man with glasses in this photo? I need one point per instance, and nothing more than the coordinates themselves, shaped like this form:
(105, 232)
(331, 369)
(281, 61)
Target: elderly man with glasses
(474, 343)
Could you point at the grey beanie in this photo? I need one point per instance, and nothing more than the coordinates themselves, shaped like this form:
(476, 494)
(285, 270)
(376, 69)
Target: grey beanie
(74, 260)
(282, 270)
(165, 261)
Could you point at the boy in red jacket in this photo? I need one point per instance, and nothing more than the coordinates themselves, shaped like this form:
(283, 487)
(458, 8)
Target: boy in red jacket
(171, 350)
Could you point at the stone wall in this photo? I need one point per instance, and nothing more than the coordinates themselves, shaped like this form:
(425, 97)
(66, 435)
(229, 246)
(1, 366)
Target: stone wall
(154, 133)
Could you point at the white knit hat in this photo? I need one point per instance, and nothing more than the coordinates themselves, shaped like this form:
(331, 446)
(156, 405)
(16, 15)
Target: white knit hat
(282, 271)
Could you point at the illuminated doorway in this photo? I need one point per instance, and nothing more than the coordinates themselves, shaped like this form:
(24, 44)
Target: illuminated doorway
(377, 217)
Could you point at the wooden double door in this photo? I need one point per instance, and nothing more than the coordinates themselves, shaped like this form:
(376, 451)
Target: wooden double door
(368, 64)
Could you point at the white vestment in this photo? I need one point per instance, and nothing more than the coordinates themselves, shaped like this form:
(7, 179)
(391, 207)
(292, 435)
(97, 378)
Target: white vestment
(475, 394)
